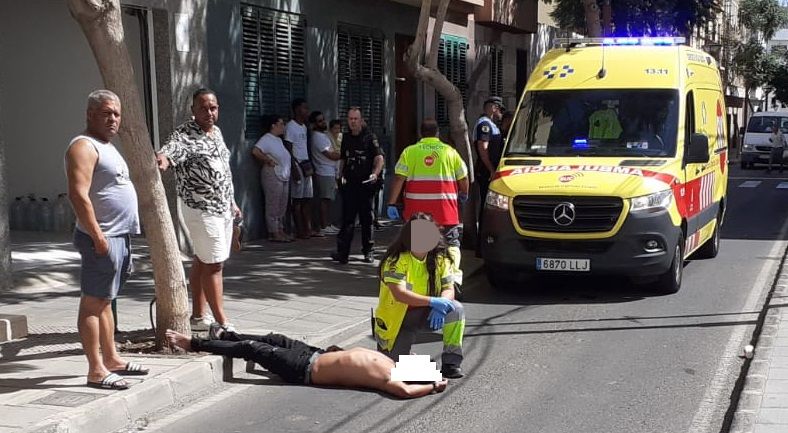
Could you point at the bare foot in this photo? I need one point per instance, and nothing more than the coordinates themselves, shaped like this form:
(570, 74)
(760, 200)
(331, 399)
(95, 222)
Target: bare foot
(179, 340)
(441, 385)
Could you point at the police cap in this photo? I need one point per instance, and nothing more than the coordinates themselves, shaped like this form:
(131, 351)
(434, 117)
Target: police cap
(495, 100)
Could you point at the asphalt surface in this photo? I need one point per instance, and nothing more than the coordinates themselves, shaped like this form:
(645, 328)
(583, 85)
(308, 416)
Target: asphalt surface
(564, 355)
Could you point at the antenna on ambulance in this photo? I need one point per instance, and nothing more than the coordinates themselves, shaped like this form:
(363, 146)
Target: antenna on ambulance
(602, 71)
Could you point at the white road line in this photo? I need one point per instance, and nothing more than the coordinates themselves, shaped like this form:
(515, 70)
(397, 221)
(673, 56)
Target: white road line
(717, 395)
(756, 178)
(750, 184)
(782, 185)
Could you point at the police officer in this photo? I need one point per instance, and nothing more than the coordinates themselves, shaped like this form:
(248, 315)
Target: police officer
(360, 166)
(488, 142)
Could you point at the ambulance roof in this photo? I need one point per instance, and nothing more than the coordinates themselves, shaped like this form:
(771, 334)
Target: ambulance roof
(633, 66)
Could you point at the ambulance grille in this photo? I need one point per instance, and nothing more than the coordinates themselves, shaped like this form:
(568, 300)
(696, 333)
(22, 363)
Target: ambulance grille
(592, 214)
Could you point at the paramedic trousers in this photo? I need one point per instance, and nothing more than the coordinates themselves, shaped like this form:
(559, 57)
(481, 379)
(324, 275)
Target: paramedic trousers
(415, 322)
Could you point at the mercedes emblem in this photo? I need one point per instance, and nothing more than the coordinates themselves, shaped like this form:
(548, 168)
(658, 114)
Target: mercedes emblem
(564, 214)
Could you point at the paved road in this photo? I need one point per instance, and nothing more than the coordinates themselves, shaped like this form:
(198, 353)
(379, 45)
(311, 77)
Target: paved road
(563, 356)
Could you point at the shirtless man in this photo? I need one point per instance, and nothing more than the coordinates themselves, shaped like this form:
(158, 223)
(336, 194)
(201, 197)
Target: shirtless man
(298, 362)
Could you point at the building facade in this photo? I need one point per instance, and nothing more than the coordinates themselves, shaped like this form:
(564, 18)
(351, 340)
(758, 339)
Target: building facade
(257, 55)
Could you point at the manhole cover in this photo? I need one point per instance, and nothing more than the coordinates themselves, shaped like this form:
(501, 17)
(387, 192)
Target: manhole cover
(67, 399)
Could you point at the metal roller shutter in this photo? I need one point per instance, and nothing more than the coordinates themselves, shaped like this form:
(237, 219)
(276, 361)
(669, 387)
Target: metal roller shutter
(274, 63)
(452, 61)
(360, 73)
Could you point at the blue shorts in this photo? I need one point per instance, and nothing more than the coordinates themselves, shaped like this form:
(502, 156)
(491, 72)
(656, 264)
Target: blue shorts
(103, 276)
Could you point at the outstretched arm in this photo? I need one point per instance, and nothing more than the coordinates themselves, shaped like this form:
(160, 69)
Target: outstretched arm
(413, 390)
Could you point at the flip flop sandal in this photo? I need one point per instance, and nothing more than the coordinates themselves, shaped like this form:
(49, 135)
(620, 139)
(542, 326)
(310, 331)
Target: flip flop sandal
(110, 381)
(132, 369)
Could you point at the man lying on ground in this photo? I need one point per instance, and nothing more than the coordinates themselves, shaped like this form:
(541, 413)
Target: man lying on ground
(298, 362)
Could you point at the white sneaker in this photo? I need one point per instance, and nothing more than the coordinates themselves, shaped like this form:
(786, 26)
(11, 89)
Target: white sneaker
(330, 230)
(200, 323)
(229, 327)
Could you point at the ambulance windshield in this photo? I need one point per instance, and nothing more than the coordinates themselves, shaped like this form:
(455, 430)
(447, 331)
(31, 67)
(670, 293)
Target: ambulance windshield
(611, 122)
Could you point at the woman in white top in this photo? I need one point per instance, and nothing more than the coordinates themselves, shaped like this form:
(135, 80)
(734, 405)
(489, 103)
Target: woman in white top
(274, 176)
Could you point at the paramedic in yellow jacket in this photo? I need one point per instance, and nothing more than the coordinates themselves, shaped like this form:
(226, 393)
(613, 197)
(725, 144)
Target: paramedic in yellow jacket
(417, 295)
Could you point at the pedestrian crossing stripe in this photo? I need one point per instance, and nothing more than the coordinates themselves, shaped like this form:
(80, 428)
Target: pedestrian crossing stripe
(750, 184)
(782, 185)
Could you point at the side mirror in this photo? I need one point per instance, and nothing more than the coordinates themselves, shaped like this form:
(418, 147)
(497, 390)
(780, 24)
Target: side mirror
(698, 150)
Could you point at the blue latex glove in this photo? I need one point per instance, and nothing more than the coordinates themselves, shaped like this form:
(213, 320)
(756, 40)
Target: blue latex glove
(436, 319)
(392, 212)
(443, 305)
(462, 197)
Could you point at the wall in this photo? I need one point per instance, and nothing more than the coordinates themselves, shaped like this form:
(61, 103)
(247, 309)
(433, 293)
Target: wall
(225, 73)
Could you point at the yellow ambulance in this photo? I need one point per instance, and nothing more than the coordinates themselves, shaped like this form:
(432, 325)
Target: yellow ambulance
(616, 163)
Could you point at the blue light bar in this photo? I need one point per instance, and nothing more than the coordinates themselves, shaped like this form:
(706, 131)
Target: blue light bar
(631, 41)
(580, 143)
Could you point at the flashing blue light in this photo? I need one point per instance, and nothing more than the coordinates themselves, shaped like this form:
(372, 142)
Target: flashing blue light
(627, 41)
(580, 143)
(646, 41)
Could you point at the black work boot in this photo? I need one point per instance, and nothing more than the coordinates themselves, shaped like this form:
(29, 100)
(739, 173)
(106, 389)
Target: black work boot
(451, 371)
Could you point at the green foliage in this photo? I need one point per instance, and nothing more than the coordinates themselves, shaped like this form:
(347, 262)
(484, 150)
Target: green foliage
(779, 81)
(639, 17)
(754, 64)
(764, 17)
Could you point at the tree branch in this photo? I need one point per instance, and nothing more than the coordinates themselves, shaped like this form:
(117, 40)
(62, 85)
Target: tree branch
(432, 59)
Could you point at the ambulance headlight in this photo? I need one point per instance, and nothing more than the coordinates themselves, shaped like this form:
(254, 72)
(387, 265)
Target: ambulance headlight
(497, 201)
(749, 147)
(651, 202)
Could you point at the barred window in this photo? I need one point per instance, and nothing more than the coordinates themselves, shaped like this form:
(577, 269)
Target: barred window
(452, 61)
(274, 64)
(361, 76)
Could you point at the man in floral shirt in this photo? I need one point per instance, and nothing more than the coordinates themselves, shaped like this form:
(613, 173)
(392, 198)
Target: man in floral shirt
(205, 193)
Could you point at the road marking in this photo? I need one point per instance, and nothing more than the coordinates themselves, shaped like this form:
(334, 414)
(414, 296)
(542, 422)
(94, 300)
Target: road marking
(756, 178)
(782, 185)
(717, 394)
(750, 184)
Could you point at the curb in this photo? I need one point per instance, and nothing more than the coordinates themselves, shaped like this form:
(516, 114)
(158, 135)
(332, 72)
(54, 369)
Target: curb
(122, 408)
(754, 386)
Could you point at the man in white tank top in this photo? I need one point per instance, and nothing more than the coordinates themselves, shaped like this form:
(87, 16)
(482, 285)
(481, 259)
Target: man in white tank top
(105, 203)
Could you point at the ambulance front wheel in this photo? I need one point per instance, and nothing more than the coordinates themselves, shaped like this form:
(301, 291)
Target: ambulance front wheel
(670, 281)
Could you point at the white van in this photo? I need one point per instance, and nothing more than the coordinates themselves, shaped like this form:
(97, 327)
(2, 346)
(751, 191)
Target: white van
(756, 146)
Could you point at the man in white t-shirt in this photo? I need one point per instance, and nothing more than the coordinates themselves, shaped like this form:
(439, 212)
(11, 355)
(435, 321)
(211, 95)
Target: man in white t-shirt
(325, 159)
(301, 192)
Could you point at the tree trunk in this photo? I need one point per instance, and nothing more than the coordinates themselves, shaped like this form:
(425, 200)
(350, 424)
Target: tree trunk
(458, 127)
(5, 241)
(593, 25)
(607, 18)
(100, 20)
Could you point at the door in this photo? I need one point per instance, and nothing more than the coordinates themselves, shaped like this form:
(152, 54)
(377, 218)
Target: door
(406, 123)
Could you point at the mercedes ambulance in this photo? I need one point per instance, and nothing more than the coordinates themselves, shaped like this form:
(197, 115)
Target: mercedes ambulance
(616, 163)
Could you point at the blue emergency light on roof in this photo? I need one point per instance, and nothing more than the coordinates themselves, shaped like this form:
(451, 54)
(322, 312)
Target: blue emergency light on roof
(580, 143)
(643, 41)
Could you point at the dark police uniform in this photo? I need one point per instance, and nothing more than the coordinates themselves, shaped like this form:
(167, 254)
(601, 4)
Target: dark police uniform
(358, 162)
(487, 130)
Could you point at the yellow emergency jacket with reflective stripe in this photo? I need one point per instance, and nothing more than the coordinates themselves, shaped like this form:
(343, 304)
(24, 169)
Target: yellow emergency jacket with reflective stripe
(412, 272)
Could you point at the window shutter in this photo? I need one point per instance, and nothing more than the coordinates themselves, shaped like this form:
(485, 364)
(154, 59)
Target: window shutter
(452, 61)
(274, 65)
(360, 73)
(496, 71)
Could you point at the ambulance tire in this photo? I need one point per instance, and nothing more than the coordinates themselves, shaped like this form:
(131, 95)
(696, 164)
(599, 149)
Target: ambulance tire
(711, 248)
(670, 281)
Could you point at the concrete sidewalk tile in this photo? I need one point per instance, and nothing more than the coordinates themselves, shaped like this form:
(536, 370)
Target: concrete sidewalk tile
(347, 312)
(773, 416)
(780, 355)
(778, 372)
(742, 422)
(780, 342)
(780, 332)
(26, 416)
(289, 313)
(4, 429)
(190, 378)
(775, 400)
(776, 387)
(750, 401)
(20, 396)
(101, 416)
(770, 428)
(754, 383)
(330, 319)
(149, 396)
(759, 367)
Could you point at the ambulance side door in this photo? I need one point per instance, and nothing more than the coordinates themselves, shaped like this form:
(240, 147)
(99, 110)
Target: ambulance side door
(699, 177)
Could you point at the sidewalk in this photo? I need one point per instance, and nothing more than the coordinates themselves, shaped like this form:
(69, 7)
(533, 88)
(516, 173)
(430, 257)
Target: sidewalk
(763, 404)
(291, 288)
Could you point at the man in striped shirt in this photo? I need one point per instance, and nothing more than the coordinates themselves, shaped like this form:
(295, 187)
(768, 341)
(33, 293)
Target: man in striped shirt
(435, 181)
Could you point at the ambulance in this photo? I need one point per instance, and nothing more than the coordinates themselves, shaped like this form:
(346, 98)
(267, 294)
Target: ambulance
(616, 164)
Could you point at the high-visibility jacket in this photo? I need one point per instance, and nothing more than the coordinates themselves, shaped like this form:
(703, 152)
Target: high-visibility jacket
(604, 125)
(412, 272)
(432, 169)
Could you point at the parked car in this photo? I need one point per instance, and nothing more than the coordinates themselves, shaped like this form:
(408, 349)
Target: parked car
(756, 146)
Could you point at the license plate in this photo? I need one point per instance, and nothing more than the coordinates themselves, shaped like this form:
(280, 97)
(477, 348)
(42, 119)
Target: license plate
(563, 265)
